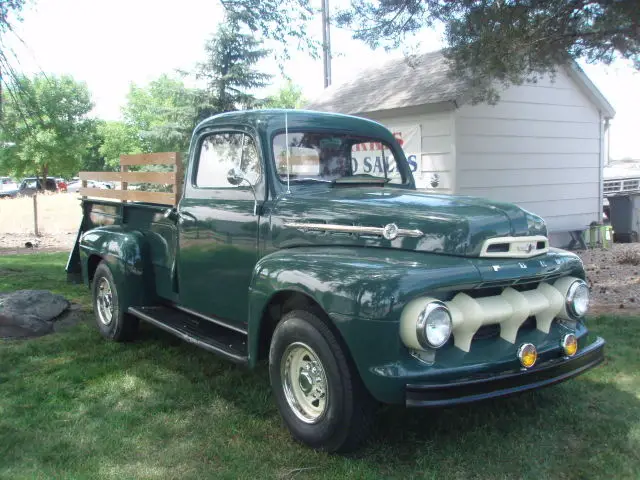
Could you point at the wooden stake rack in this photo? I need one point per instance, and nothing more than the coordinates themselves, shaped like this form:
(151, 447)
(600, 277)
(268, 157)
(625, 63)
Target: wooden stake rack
(125, 177)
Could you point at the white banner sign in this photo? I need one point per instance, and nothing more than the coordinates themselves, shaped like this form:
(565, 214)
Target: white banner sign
(410, 139)
(367, 157)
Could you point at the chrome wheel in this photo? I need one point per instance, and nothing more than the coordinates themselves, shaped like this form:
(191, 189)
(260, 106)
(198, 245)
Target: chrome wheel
(304, 382)
(104, 301)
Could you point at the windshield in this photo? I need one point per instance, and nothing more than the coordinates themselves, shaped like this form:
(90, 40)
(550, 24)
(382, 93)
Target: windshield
(338, 158)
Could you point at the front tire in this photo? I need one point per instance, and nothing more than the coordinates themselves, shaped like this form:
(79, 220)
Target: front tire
(318, 392)
(111, 319)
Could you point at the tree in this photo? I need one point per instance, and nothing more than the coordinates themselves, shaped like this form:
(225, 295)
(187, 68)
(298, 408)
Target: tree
(8, 8)
(508, 41)
(118, 138)
(230, 69)
(45, 127)
(282, 21)
(92, 159)
(9, 15)
(289, 96)
(162, 115)
(490, 41)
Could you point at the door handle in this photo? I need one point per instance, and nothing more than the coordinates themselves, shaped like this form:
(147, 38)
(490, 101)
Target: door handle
(177, 216)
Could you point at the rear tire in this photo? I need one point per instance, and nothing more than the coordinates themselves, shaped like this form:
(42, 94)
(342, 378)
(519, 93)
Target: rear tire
(319, 393)
(112, 321)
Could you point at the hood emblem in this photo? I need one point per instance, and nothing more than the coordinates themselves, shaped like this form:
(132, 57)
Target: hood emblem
(389, 231)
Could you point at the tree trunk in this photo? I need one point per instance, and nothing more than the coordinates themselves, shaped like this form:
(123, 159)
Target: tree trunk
(35, 215)
(45, 171)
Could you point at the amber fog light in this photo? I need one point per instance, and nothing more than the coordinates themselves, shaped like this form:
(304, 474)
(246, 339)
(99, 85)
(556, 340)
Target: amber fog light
(527, 354)
(570, 344)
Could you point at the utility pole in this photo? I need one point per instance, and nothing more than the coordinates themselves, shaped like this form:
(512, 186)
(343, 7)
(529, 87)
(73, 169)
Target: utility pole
(326, 43)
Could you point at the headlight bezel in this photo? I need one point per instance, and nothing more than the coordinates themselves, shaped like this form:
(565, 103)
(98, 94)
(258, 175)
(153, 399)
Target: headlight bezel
(570, 297)
(422, 323)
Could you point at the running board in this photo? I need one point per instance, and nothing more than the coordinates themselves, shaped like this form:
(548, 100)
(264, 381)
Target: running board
(227, 343)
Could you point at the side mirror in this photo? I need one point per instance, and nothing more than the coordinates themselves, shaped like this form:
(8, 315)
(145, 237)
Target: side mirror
(236, 177)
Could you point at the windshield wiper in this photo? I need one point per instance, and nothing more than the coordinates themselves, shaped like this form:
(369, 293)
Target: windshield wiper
(361, 178)
(309, 179)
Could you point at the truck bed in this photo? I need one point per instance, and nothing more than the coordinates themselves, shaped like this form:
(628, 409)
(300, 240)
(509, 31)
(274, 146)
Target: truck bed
(159, 232)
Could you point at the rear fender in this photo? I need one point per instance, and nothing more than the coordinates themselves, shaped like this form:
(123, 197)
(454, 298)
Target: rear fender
(126, 252)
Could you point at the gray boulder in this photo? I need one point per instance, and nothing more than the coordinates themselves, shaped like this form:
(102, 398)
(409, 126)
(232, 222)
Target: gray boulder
(29, 313)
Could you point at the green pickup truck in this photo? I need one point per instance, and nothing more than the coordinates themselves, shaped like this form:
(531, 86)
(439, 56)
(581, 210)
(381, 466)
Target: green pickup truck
(299, 237)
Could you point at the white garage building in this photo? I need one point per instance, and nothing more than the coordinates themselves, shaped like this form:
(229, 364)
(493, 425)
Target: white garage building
(542, 146)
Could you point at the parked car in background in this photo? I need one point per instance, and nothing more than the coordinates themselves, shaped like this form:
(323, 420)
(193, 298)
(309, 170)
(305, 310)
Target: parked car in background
(62, 184)
(75, 185)
(31, 185)
(8, 188)
(7, 183)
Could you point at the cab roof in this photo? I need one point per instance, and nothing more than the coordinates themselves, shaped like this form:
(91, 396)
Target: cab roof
(268, 122)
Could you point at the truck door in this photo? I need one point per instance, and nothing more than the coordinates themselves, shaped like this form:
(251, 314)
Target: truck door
(218, 227)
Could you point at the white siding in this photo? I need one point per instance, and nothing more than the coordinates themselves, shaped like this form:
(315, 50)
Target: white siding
(539, 147)
(437, 154)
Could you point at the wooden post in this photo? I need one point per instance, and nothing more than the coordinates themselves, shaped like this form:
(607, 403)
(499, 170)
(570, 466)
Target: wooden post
(35, 214)
(124, 185)
(177, 184)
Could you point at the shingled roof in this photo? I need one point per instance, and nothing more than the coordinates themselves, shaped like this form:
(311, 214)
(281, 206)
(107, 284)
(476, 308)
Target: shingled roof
(418, 80)
(400, 82)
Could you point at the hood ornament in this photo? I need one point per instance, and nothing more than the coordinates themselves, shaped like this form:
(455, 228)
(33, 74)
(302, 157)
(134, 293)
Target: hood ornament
(390, 231)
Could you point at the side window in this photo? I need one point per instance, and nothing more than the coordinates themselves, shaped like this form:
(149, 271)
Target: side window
(219, 153)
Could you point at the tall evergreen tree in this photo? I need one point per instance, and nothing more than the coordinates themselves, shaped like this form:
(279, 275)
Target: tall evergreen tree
(230, 70)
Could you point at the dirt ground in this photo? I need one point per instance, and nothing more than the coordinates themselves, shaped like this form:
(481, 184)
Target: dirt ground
(614, 274)
(59, 216)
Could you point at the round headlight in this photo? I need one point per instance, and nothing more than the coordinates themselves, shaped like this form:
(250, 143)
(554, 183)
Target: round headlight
(578, 299)
(433, 328)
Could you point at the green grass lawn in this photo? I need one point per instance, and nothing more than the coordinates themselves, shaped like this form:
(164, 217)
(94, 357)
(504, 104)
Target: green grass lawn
(73, 405)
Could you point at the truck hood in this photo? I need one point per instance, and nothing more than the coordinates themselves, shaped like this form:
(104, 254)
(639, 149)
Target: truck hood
(454, 225)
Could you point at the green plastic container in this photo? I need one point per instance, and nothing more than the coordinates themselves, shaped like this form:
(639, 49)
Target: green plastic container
(598, 236)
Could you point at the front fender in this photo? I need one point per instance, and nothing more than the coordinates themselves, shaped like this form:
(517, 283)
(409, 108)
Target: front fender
(352, 284)
(363, 291)
(126, 254)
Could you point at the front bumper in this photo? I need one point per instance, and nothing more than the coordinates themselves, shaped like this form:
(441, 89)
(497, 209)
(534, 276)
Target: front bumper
(501, 385)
